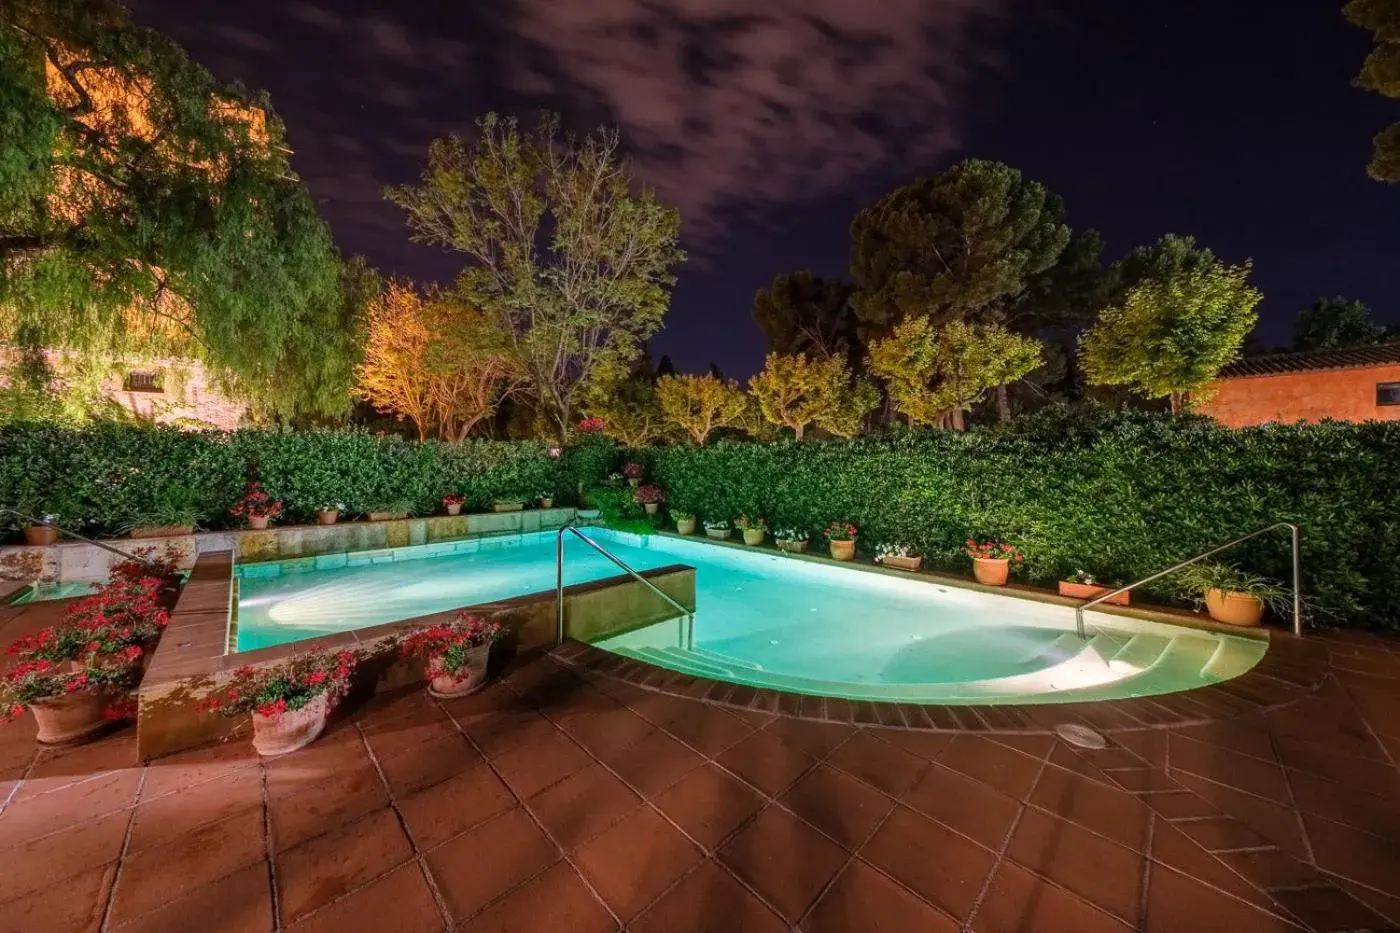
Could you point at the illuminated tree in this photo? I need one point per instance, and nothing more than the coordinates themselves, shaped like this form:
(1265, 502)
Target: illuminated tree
(793, 392)
(700, 405)
(629, 407)
(572, 264)
(1381, 73)
(1172, 331)
(144, 207)
(933, 374)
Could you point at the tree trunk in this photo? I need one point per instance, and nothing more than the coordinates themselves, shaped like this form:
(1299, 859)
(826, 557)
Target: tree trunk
(797, 431)
(1003, 404)
(958, 424)
(1176, 403)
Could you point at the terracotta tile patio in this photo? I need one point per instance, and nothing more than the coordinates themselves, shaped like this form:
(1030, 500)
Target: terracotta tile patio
(564, 799)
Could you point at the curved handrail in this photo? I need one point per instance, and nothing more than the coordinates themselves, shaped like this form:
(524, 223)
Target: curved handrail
(1297, 576)
(559, 576)
(73, 534)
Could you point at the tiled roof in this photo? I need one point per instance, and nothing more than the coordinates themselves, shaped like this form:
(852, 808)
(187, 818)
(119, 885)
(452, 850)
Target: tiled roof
(1275, 363)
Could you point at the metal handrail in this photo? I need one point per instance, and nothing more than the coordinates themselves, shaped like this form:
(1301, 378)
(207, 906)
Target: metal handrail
(73, 534)
(1297, 576)
(559, 576)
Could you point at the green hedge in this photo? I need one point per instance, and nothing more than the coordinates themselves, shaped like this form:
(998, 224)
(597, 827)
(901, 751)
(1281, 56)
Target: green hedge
(1118, 495)
(109, 477)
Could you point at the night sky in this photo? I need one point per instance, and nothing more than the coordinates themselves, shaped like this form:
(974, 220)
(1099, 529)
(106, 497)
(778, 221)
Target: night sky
(1232, 121)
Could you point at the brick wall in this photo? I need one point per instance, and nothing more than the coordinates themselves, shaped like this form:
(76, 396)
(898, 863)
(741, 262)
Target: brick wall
(1344, 394)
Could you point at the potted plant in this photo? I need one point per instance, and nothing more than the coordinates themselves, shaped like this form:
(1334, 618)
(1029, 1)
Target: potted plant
(634, 472)
(507, 504)
(790, 539)
(289, 702)
(1232, 596)
(1081, 585)
(43, 532)
(329, 514)
(398, 508)
(546, 499)
(841, 538)
(717, 528)
(256, 506)
(70, 700)
(458, 653)
(453, 503)
(898, 556)
(685, 521)
(649, 497)
(753, 529)
(991, 560)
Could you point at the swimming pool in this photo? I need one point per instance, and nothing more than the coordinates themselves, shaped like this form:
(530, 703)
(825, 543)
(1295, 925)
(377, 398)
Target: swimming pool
(767, 620)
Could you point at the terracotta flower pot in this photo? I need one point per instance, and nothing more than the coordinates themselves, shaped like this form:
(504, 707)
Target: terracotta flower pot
(902, 563)
(719, 534)
(651, 507)
(468, 679)
(546, 502)
(1234, 608)
(70, 717)
(258, 522)
(161, 531)
(685, 526)
(843, 550)
(991, 571)
(294, 729)
(1091, 590)
(791, 546)
(753, 536)
(327, 516)
(454, 509)
(40, 535)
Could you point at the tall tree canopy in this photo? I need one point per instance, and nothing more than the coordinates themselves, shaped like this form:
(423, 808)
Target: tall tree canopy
(1181, 315)
(574, 266)
(954, 246)
(794, 391)
(804, 313)
(1333, 323)
(144, 207)
(700, 405)
(1381, 73)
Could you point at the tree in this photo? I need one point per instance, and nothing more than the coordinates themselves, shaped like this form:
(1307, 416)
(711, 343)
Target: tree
(1381, 73)
(437, 363)
(573, 266)
(802, 313)
(793, 391)
(934, 374)
(956, 245)
(144, 207)
(700, 405)
(1333, 323)
(629, 407)
(1172, 331)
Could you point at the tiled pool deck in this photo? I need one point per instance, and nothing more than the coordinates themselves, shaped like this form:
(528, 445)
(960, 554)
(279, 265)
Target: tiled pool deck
(565, 799)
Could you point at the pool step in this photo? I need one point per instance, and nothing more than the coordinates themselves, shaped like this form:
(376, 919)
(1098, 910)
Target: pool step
(1142, 651)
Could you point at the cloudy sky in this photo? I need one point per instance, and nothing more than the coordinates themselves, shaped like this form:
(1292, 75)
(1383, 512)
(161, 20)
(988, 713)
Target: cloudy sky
(771, 122)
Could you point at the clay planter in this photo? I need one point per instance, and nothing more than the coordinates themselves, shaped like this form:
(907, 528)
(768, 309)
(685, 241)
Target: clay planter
(467, 680)
(454, 509)
(507, 506)
(902, 563)
(546, 502)
(70, 717)
(588, 514)
(258, 522)
(753, 537)
(279, 735)
(651, 507)
(685, 526)
(1234, 608)
(40, 535)
(1090, 591)
(161, 531)
(843, 550)
(792, 547)
(719, 534)
(991, 571)
(327, 516)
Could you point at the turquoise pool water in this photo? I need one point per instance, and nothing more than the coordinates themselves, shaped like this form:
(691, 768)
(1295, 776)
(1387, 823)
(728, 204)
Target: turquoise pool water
(47, 591)
(768, 620)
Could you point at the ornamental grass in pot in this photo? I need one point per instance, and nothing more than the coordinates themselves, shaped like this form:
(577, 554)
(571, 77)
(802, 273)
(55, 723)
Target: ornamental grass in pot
(256, 507)
(1233, 596)
(991, 560)
(1081, 585)
(898, 556)
(792, 540)
(648, 497)
(753, 529)
(685, 522)
(841, 539)
(458, 653)
(717, 528)
(288, 702)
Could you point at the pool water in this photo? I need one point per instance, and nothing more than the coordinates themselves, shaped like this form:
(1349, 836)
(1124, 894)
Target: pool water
(44, 592)
(770, 620)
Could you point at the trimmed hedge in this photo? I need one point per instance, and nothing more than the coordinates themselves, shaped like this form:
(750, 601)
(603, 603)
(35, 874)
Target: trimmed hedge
(1118, 495)
(112, 476)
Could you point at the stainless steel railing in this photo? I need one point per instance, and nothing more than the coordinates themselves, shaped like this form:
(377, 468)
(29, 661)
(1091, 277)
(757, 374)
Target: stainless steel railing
(73, 534)
(559, 580)
(1297, 576)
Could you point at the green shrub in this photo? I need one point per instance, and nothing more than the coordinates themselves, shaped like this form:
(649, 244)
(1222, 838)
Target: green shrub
(1120, 495)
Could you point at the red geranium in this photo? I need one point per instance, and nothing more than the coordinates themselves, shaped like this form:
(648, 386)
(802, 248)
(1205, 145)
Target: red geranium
(991, 550)
(592, 426)
(448, 646)
(256, 503)
(279, 688)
